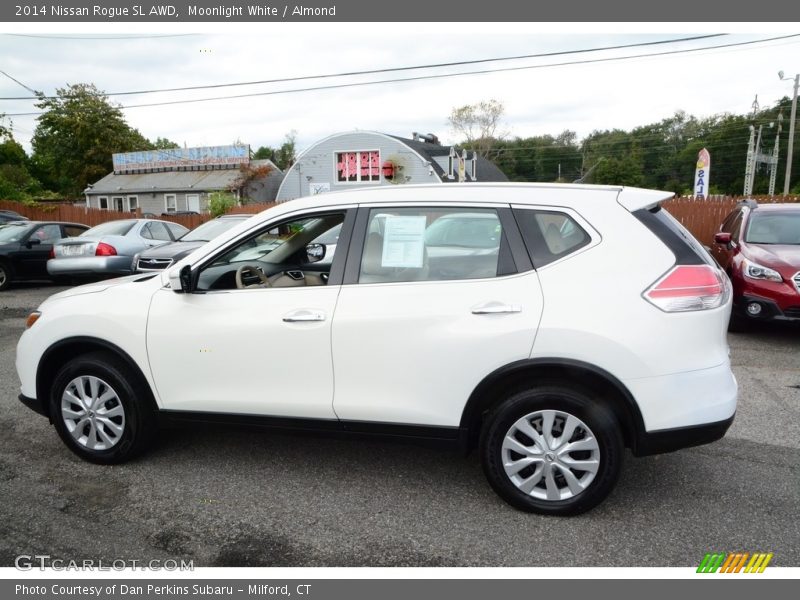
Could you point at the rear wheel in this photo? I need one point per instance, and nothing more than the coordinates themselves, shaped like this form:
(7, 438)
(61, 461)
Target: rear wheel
(552, 450)
(101, 409)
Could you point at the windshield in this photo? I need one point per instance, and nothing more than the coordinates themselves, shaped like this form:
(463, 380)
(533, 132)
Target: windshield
(109, 228)
(211, 229)
(13, 233)
(773, 228)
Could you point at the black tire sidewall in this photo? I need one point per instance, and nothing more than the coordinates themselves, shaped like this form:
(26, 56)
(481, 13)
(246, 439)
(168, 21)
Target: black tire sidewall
(7, 270)
(119, 377)
(578, 403)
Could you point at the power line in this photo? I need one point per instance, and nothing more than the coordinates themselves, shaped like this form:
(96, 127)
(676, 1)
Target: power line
(440, 75)
(395, 69)
(19, 82)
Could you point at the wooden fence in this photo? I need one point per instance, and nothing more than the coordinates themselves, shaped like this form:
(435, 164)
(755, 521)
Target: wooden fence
(702, 217)
(94, 216)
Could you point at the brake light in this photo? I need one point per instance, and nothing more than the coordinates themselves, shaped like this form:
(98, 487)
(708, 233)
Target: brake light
(52, 253)
(104, 249)
(689, 287)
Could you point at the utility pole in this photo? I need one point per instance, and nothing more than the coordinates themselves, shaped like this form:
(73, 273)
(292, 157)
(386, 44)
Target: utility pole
(773, 163)
(788, 178)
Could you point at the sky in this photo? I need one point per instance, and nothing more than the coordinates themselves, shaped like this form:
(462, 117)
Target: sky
(544, 100)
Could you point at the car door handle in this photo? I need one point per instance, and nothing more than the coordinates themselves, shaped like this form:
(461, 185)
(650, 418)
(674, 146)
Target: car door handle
(304, 315)
(496, 308)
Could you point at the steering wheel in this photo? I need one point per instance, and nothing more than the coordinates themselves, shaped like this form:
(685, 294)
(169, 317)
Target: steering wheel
(251, 271)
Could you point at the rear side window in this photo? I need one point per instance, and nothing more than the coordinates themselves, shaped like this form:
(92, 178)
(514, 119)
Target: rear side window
(434, 244)
(687, 250)
(549, 235)
(72, 231)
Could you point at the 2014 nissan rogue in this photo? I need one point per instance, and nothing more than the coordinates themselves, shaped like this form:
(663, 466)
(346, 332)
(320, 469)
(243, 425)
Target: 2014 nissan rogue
(549, 326)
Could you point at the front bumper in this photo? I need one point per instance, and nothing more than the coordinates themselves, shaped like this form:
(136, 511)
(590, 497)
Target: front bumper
(770, 310)
(34, 404)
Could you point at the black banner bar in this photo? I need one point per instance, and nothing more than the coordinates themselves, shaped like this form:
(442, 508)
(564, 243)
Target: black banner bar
(462, 11)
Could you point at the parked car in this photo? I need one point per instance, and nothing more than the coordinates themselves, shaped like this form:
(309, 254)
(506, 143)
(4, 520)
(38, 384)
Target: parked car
(8, 216)
(758, 246)
(108, 249)
(600, 327)
(25, 247)
(160, 257)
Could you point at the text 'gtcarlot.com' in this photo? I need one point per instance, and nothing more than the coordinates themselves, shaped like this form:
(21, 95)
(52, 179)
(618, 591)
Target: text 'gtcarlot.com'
(27, 562)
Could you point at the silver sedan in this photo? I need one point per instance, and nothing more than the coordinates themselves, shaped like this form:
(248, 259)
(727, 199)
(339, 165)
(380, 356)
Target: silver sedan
(108, 248)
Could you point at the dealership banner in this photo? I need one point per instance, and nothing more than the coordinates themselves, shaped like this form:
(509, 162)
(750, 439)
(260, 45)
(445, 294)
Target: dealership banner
(701, 174)
(392, 589)
(496, 11)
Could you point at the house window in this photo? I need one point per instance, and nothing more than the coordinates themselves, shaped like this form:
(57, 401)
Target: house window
(358, 167)
(133, 203)
(103, 202)
(170, 203)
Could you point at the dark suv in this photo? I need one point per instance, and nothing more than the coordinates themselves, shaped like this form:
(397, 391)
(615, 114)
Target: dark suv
(758, 245)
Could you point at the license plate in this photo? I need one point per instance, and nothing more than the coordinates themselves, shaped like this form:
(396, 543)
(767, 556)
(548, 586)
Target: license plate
(72, 250)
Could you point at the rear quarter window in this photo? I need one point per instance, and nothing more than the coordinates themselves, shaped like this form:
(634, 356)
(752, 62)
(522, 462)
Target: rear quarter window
(550, 235)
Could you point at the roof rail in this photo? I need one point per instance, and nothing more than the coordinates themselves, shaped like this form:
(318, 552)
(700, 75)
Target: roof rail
(749, 203)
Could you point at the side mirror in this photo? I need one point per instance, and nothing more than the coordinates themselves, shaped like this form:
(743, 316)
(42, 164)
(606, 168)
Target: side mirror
(722, 238)
(180, 280)
(315, 252)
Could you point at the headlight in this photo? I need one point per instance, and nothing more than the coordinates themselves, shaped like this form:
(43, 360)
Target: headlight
(756, 271)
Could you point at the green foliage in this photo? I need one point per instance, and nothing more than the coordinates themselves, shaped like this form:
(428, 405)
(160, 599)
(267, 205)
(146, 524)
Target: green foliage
(76, 136)
(162, 144)
(284, 156)
(220, 202)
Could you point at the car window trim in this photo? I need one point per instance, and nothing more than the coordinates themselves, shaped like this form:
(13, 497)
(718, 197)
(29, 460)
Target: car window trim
(334, 274)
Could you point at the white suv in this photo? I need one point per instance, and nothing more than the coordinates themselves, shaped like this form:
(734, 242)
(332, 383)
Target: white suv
(550, 326)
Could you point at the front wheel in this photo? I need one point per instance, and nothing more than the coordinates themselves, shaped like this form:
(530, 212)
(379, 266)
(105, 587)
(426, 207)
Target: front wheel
(5, 276)
(101, 409)
(552, 450)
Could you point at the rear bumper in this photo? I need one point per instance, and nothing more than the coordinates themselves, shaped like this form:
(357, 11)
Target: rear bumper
(90, 265)
(668, 440)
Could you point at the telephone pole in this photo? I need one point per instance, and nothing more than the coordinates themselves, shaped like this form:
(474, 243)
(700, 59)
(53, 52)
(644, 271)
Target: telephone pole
(788, 178)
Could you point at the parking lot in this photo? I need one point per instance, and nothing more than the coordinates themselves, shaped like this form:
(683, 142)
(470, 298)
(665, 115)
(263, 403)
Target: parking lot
(246, 498)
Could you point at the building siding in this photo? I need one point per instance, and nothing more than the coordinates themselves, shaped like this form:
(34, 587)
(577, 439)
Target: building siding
(317, 165)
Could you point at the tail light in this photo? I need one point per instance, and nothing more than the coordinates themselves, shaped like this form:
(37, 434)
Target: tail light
(52, 253)
(689, 287)
(104, 249)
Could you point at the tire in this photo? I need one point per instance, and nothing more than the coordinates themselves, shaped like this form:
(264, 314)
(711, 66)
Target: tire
(521, 478)
(5, 276)
(128, 423)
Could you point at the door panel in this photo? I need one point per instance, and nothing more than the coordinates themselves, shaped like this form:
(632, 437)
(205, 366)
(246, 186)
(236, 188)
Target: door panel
(414, 352)
(234, 352)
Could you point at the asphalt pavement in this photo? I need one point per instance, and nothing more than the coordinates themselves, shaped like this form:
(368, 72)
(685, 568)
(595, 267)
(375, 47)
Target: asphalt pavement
(231, 497)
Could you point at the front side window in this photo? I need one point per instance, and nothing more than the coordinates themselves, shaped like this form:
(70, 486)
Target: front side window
(294, 253)
(433, 244)
(358, 167)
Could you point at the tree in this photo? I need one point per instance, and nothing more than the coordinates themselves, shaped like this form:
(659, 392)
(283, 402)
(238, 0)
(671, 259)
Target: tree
(76, 135)
(284, 156)
(162, 144)
(477, 124)
(16, 182)
(220, 202)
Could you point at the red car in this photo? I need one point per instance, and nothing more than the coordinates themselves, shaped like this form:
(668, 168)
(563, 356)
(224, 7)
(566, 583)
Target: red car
(758, 245)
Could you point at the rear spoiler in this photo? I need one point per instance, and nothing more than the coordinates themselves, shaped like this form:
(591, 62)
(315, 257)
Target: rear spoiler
(634, 199)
